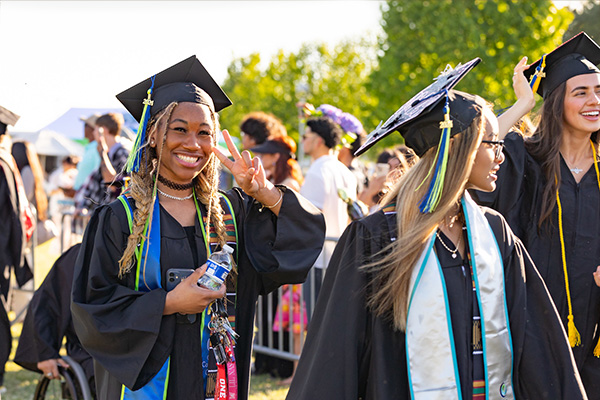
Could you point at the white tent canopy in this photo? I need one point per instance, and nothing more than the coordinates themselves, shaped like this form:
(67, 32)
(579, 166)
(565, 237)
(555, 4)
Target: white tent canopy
(50, 143)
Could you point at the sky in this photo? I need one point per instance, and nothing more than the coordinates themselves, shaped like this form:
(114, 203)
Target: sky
(63, 54)
(59, 55)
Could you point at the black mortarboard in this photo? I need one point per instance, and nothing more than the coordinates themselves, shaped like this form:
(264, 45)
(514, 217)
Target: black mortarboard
(7, 117)
(418, 120)
(271, 147)
(577, 56)
(186, 81)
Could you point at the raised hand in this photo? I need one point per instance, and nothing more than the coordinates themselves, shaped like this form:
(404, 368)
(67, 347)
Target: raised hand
(248, 172)
(520, 84)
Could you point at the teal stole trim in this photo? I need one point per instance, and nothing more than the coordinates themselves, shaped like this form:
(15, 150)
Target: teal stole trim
(430, 350)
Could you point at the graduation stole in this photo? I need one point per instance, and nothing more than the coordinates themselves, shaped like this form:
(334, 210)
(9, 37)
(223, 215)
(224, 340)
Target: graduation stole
(429, 325)
(149, 253)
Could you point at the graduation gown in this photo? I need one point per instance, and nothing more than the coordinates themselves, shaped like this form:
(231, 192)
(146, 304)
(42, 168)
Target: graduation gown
(350, 353)
(48, 320)
(519, 197)
(125, 331)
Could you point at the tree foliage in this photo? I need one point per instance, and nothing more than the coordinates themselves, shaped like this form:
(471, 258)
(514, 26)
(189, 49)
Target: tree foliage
(422, 37)
(586, 19)
(315, 73)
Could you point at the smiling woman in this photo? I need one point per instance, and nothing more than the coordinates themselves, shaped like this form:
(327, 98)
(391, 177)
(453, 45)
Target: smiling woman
(440, 299)
(549, 188)
(127, 303)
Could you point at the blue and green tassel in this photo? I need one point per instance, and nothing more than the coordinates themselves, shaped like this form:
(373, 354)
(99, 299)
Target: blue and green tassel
(433, 196)
(133, 161)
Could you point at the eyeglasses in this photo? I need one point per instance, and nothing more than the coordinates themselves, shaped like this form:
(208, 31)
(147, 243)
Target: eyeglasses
(498, 146)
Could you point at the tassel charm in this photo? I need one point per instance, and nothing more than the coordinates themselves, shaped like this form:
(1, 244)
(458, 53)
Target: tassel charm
(538, 75)
(574, 337)
(133, 161)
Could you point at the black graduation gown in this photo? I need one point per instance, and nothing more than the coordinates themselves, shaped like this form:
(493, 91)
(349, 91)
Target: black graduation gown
(352, 354)
(48, 320)
(519, 197)
(12, 248)
(125, 331)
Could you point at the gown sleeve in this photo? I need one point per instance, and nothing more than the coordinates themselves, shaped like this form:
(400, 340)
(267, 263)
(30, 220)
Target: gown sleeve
(48, 317)
(283, 248)
(338, 336)
(122, 329)
(543, 364)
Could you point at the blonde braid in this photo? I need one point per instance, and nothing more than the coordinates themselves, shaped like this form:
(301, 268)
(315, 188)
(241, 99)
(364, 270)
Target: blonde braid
(142, 191)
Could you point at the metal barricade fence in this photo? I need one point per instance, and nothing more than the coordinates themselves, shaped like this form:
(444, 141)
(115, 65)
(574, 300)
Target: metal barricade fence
(265, 341)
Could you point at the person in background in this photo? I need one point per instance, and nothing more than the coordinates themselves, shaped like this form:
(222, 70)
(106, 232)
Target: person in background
(91, 159)
(259, 126)
(278, 157)
(434, 297)
(105, 183)
(549, 188)
(389, 167)
(17, 228)
(62, 180)
(144, 338)
(325, 177)
(33, 181)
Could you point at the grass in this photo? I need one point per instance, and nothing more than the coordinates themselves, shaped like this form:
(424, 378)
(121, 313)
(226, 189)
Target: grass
(21, 383)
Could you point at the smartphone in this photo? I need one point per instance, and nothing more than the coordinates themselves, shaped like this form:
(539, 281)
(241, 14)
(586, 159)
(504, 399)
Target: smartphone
(176, 275)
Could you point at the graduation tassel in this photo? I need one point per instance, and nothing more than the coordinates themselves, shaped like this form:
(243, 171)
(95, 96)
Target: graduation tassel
(434, 193)
(536, 78)
(574, 337)
(133, 161)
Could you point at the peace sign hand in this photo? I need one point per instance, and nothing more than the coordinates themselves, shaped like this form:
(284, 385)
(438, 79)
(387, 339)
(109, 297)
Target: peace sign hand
(248, 172)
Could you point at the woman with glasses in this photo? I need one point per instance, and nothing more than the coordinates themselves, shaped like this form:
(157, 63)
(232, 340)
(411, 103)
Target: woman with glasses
(549, 188)
(433, 297)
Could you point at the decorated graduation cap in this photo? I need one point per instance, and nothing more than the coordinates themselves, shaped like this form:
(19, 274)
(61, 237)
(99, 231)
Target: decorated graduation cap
(430, 119)
(187, 81)
(7, 117)
(577, 56)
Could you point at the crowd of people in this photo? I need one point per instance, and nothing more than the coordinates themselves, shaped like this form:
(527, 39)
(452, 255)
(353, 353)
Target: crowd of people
(462, 264)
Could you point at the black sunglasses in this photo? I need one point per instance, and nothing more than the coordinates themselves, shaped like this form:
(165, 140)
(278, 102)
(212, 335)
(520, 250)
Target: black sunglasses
(498, 146)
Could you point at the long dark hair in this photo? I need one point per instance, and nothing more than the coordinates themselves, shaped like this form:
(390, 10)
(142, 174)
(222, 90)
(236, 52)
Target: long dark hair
(544, 147)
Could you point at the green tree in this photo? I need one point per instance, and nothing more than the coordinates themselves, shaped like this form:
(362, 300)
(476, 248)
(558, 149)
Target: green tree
(315, 73)
(422, 37)
(586, 19)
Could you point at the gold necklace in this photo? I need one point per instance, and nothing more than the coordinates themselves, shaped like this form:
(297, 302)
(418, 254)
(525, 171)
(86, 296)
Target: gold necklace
(453, 252)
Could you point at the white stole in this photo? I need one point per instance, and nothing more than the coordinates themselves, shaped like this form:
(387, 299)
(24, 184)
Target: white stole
(431, 354)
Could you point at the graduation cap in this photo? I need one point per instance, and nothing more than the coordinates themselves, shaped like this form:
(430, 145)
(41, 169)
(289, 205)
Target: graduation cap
(577, 56)
(430, 119)
(7, 117)
(186, 81)
(420, 107)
